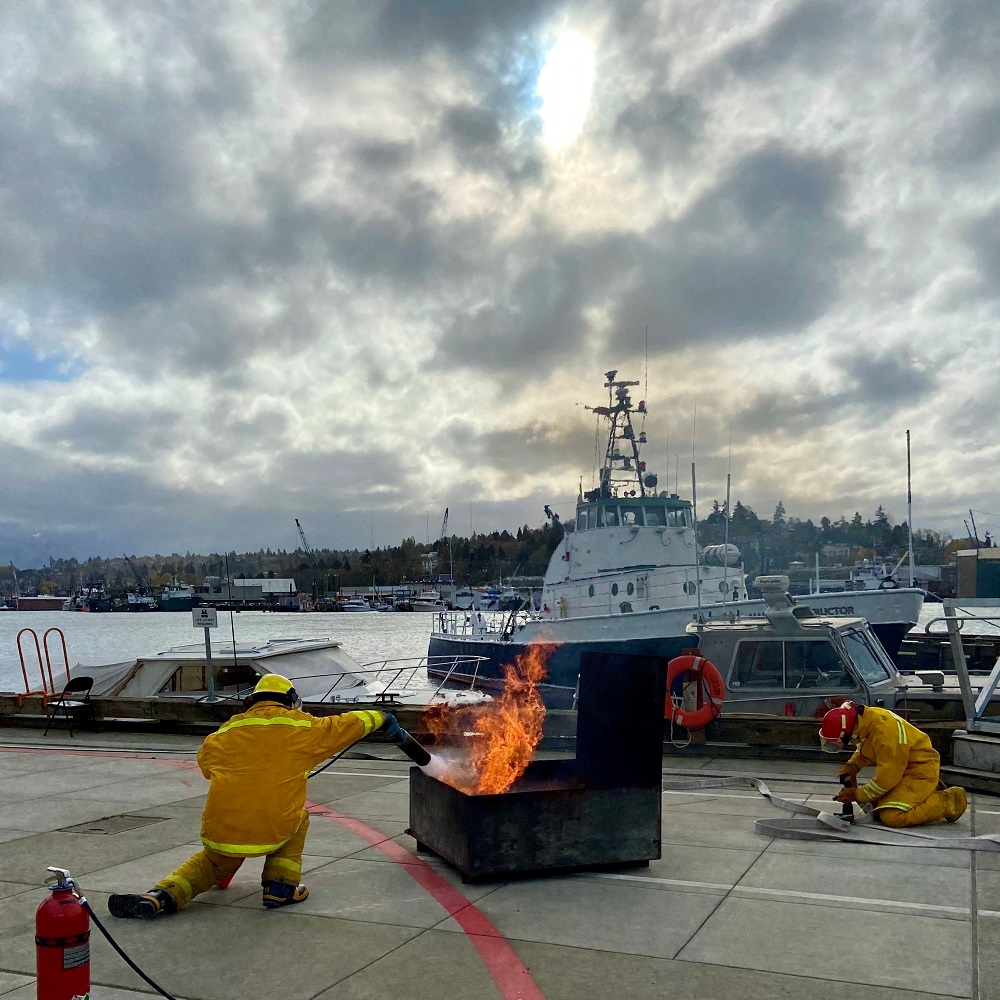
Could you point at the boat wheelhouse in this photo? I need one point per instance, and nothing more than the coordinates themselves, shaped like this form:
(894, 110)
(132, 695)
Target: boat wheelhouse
(631, 548)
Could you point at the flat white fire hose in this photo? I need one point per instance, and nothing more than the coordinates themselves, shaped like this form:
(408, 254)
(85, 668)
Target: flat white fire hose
(815, 824)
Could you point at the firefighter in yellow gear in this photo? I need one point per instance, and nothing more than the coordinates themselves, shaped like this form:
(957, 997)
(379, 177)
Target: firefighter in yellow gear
(257, 764)
(906, 789)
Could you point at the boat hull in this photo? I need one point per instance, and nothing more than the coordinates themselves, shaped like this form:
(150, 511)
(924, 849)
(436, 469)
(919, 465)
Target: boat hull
(650, 633)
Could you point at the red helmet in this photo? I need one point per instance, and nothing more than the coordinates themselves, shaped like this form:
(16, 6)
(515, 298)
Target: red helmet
(837, 726)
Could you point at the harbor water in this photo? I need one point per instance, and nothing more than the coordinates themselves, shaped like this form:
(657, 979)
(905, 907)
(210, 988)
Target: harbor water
(114, 637)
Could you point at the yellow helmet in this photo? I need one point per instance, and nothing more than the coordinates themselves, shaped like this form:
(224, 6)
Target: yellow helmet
(273, 684)
(274, 687)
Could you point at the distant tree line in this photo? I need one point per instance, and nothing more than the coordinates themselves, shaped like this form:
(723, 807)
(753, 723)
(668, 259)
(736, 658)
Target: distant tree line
(767, 546)
(771, 545)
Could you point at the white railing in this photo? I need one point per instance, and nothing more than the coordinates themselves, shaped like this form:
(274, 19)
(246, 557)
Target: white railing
(469, 624)
(387, 680)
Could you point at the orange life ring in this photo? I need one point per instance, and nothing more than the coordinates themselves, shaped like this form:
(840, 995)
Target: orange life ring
(712, 685)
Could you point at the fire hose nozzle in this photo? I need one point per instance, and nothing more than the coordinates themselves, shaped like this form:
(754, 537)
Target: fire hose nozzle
(412, 748)
(847, 812)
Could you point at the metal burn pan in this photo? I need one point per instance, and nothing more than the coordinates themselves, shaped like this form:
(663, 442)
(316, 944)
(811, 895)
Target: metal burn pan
(601, 809)
(537, 825)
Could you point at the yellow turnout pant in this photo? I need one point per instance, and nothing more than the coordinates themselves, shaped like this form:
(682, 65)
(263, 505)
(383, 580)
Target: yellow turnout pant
(209, 867)
(915, 800)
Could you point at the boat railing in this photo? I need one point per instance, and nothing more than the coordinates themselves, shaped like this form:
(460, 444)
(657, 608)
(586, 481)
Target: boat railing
(975, 701)
(496, 624)
(387, 679)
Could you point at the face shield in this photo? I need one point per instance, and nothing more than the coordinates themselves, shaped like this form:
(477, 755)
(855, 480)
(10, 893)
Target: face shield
(831, 746)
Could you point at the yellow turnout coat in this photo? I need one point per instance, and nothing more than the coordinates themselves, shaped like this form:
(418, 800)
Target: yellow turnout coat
(257, 764)
(906, 765)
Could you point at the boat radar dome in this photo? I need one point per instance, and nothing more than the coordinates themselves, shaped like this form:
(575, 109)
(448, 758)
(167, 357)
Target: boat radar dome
(774, 590)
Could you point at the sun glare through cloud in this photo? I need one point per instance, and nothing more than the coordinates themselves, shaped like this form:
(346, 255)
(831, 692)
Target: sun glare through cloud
(565, 85)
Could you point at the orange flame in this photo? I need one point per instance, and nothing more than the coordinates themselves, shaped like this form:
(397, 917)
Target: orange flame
(504, 732)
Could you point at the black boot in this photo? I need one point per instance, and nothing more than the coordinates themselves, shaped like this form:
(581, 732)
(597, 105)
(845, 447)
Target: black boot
(278, 893)
(148, 904)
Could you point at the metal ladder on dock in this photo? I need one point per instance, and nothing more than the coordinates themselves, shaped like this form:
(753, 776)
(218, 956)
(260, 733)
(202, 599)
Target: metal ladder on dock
(976, 749)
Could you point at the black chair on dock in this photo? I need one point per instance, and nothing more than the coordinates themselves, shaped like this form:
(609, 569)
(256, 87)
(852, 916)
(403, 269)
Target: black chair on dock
(73, 702)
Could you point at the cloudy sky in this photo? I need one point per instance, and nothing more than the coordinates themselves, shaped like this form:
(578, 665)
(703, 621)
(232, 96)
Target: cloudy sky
(357, 261)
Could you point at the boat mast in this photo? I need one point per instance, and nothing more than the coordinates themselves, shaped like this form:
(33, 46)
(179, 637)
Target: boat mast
(909, 507)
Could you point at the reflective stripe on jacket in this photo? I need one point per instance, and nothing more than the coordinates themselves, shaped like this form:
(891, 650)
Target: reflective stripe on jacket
(894, 746)
(257, 764)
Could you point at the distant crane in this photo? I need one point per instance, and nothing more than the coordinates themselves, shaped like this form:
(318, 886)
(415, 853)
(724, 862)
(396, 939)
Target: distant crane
(302, 538)
(145, 587)
(451, 555)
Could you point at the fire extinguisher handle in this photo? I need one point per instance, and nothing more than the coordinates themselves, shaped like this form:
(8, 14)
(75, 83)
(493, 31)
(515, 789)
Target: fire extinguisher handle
(61, 878)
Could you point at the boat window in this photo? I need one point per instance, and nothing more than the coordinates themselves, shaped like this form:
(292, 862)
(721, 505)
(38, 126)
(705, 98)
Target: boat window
(592, 517)
(690, 587)
(653, 518)
(590, 592)
(630, 589)
(614, 590)
(864, 657)
(581, 520)
(815, 665)
(631, 514)
(611, 517)
(676, 519)
(758, 664)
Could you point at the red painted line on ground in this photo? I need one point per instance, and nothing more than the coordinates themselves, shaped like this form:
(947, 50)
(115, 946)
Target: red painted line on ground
(510, 974)
(503, 963)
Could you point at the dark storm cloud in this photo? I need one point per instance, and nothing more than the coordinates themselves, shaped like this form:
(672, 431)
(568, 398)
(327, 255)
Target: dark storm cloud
(140, 432)
(455, 24)
(662, 126)
(537, 312)
(520, 452)
(809, 35)
(892, 381)
(983, 237)
(971, 141)
(760, 253)
(876, 384)
(788, 412)
(966, 34)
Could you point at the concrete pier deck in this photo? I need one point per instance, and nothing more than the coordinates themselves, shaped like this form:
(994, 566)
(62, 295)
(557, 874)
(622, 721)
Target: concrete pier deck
(725, 914)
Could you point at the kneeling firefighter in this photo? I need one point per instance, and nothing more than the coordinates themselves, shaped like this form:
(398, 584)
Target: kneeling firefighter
(906, 789)
(257, 764)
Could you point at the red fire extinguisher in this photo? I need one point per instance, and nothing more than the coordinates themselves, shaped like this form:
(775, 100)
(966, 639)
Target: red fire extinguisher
(62, 942)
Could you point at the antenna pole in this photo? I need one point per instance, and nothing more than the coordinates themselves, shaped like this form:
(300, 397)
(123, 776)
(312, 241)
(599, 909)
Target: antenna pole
(975, 530)
(909, 507)
(697, 559)
(725, 551)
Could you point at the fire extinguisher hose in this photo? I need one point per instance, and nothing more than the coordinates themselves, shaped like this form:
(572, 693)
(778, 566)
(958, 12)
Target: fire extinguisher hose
(114, 944)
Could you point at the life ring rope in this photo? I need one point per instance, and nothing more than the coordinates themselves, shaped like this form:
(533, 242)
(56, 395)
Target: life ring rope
(711, 685)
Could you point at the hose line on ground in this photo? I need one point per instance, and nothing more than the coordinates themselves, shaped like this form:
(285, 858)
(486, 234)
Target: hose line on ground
(121, 951)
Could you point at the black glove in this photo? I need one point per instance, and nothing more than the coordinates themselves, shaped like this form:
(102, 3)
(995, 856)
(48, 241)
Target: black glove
(391, 728)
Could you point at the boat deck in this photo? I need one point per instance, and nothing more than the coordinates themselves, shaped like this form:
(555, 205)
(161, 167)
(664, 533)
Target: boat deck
(725, 913)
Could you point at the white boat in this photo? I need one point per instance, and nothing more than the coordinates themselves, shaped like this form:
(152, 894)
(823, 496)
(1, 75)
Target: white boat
(874, 575)
(428, 600)
(489, 599)
(629, 576)
(139, 602)
(321, 670)
(356, 604)
(464, 599)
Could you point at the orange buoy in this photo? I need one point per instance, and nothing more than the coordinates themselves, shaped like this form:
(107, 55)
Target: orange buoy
(711, 684)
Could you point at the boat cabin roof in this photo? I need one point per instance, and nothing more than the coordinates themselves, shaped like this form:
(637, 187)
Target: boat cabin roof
(780, 625)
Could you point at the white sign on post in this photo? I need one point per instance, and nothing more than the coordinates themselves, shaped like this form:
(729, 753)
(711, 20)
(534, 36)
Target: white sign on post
(204, 617)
